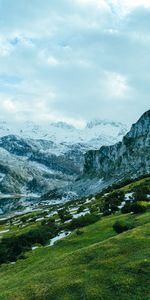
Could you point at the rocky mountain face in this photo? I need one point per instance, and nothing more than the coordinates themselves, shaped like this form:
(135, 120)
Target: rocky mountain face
(35, 159)
(63, 170)
(131, 157)
(111, 164)
(30, 166)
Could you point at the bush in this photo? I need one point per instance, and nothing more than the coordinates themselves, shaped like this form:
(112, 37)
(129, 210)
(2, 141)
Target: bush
(140, 194)
(127, 208)
(24, 219)
(79, 232)
(49, 222)
(107, 213)
(81, 208)
(112, 202)
(121, 226)
(139, 207)
(64, 215)
(14, 247)
(94, 209)
(83, 221)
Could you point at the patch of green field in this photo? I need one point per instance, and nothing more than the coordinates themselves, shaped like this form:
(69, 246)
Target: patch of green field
(97, 264)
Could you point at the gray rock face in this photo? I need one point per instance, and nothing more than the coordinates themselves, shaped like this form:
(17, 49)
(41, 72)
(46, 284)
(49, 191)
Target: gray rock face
(30, 166)
(110, 164)
(128, 158)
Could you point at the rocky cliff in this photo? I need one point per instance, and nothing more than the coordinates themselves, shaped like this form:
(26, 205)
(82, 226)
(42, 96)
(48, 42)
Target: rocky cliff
(128, 158)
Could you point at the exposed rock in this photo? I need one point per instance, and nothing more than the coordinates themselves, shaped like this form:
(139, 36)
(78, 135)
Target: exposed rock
(110, 164)
(131, 157)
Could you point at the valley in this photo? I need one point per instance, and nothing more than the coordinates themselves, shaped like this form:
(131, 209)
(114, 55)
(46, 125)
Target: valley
(35, 160)
(75, 226)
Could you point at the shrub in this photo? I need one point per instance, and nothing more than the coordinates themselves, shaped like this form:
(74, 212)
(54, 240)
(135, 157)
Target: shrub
(140, 194)
(14, 247)
(81, 208)
(49, 222)
(94, 209)
(83, 221)
(121, 226)
(127, 208)
(112, 201)
(24, 219)
(107, 213)
(139, 207)
(64, 215)
(135, 207)
(79, 232)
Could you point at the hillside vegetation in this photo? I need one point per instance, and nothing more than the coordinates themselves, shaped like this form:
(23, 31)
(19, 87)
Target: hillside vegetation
(93, 262)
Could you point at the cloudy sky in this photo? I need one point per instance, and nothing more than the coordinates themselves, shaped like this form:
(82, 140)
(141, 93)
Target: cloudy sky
(74, 60)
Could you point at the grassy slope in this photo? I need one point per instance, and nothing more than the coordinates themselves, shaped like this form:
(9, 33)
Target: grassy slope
(95, 265)
(137, 183)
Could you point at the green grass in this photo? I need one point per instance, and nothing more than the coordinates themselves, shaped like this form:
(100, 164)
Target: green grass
(139, 183)
(97, 264)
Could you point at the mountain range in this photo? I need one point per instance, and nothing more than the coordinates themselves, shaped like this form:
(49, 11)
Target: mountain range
(60, 169)
(125, 159)
(37, 158)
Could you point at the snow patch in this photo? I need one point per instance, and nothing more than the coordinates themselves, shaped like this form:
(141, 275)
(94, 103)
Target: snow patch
(1, 232)
(60, 236)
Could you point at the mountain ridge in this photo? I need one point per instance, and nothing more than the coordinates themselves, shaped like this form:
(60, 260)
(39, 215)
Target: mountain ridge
(75, 170)
(59, 132)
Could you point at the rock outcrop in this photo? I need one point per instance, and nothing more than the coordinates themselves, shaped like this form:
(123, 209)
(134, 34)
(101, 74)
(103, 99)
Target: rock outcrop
(129, 158)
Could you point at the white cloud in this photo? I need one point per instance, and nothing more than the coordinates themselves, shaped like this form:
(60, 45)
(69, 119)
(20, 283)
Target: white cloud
(5, 47)
(135, 3)
(121, 6)
(116, 85)
(52, 61)
(70, 60)
(101, 4)
(9, 106)
(124, 7)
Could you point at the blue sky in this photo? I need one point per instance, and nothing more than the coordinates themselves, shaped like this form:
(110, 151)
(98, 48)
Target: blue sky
(74, 60)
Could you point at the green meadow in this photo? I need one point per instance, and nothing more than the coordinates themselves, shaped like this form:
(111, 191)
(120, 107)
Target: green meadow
(92, 263)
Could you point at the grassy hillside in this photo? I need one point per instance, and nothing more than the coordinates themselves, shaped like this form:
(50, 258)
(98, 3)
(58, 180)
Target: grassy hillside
(98, 264)
(93, 263)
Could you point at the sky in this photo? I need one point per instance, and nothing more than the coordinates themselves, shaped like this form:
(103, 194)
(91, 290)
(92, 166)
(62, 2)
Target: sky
(74, 60)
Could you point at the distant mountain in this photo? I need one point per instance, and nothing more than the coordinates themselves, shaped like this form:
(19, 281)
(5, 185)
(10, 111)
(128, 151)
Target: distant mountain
(97, 122)
(95, 133)
(37, 158)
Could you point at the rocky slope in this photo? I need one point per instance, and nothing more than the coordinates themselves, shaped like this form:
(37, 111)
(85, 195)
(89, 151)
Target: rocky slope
(131, 157)
(110, 164)
(30, 166)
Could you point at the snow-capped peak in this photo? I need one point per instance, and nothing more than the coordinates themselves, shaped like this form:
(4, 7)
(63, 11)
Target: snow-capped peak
(62, 125)
(105, 122)
(95, 134)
